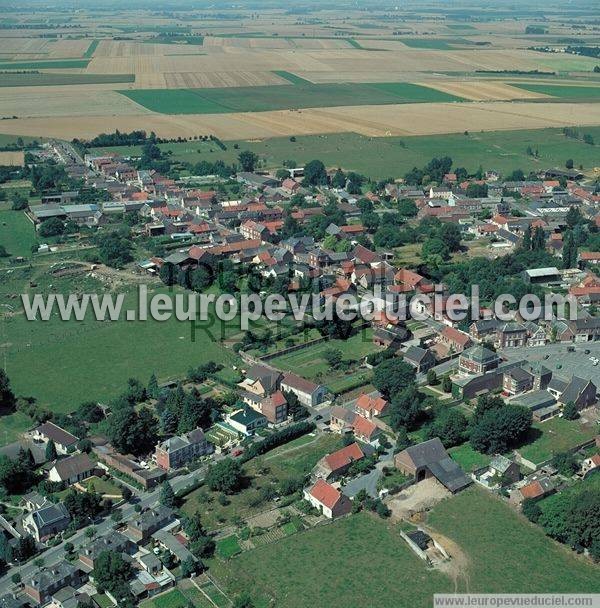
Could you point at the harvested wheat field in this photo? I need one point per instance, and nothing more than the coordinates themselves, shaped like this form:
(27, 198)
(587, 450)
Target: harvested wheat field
(209, 80)
(12, 159)
(375, 121)
(482, 90)
(75, 101)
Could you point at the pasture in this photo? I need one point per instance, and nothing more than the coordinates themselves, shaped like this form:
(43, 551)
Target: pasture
(499, 551)
(381, 157)
(391, 576)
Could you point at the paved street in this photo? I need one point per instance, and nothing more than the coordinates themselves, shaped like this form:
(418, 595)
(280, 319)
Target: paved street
(54, 554)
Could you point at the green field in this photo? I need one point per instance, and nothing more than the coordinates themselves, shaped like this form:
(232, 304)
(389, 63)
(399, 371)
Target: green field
(309, 362)
(300, 95)
(12, 425)
(357, 561)
(50, 79)
(17, 233)
(554, 436)
(507, 554)
(90, 359)
(228, 547)
(291, 77)
(383, 157)
(562, 91)
(59, 64)
(439, 44)
(91, 49)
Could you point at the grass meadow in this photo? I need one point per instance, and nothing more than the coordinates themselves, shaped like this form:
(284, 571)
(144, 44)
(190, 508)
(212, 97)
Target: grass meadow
(563, 91)
(42, 79)
(348, 562)
(507, 554)
(383, 157)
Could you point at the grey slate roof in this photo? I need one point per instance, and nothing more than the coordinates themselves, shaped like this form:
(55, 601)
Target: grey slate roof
(50, 514)
(433, 456)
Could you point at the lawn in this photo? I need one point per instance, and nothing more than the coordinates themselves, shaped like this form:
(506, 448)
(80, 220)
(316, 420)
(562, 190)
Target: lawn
(17, 233)
(228, 547)
(323, 556)
(554, 436)
(50, 79)
(171, 599)
(507, 554)
(12, 425)
(102, 486)
(563, 91)
(468, 458)
(277, 97)
(57, 64)
(309, 362)
(382, 157)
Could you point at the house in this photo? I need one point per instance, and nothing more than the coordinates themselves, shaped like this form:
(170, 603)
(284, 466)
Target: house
(454, 340)
(542, 276)
(47, 520)
(421, 359)
(337, 463)
(246, 420)
(147, 477)
(366, 431)
(478, 360)
(534, 490)
(64, 441)
(274, 408)
(261, 380)
(177, 451)
(511, 335)
(72, 469)
(430, 459)
(145, 524)
(342, 419)
(308, 393)
(46, 581)
(516, 381)
(370, 407)
(329, 500)
(113, 541)
(590, 465)
(500, 472)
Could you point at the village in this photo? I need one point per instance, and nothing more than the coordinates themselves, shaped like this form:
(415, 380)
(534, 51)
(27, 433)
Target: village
(391, 416)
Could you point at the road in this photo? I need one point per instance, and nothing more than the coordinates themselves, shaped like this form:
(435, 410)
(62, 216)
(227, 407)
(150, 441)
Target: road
(368, 482)
(56, 553)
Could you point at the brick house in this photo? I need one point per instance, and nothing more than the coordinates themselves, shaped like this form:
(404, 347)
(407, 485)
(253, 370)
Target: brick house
(454, 340)
(370, 407)
(478, 360)
(46, 581)
(177, 451)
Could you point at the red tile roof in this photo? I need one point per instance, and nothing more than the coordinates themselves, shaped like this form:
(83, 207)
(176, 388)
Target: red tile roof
(325, 493)
(364, 427)
(533, 490)
(344, 457)
(371, 404)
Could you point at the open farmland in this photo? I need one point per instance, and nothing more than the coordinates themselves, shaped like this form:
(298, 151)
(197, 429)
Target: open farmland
(261, 99)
